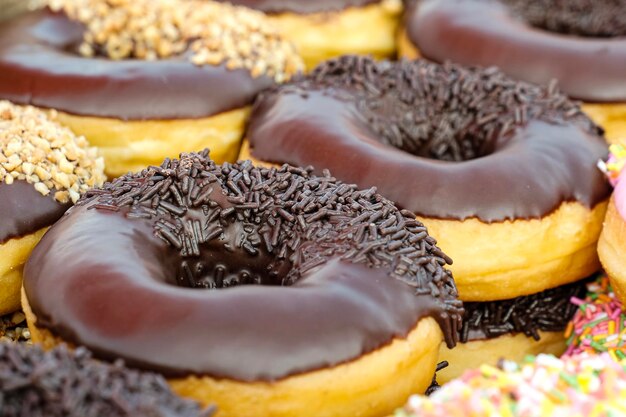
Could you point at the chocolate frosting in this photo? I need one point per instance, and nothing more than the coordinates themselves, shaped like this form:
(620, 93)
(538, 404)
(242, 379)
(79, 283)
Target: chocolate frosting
(111, 277)
(25, 210)
(301, 6)
(40, 66)
(526, 173)
(486, 32)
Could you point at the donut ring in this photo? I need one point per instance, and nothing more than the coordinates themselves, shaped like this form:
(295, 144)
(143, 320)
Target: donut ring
(487, 176)
(334, 267)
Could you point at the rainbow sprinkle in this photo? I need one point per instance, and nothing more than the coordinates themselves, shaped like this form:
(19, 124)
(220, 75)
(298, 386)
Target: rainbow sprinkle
(541, 386)
(599, 324)
(613, 167)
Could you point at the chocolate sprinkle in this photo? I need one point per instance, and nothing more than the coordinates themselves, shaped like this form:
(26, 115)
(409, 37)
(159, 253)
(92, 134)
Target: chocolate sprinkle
(589, 18)
(280, 223)
(434, 385)
(64, 383)
(446, 112)
(549, 311)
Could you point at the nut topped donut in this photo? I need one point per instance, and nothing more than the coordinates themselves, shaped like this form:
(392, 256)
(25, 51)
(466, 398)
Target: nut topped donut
(581, 43)
(44, 168)
(145, 79)
(503, 173)
(308, 282)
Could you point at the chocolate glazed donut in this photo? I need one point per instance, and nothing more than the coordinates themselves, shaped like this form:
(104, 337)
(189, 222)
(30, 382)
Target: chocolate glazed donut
(301, 273)
(529, 40)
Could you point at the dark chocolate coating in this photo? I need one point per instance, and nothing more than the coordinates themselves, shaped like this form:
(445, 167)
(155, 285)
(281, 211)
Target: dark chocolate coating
(119, 304)
(485, 32)
(39, 66)
(301, 6)
(526, 176)
(24, 210)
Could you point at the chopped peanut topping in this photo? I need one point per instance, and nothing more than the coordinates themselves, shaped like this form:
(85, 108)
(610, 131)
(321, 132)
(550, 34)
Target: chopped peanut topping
(36, 149)
(207, 32)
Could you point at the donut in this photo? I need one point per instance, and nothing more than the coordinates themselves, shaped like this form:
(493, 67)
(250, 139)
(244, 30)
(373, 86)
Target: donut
(502, 172)
(541, 386)
(35, 383)
(144, 79)
(328, 28)
(581, 43)
(44, 168)
(309, 283)
(599, 324)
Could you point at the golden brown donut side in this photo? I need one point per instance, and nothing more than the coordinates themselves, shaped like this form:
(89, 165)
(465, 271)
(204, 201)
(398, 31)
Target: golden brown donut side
(401, 368)
(526, 256)
(611, 248)
(129, 146)
(472, 355)
(324, 35)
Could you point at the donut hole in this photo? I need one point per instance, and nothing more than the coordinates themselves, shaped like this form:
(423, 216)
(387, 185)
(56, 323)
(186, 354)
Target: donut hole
(229, 269)
(230, 258)
(586, 18)
(450, 128)
(446, 112)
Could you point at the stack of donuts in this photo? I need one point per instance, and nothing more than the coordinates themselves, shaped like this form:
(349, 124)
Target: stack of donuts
(283, 208)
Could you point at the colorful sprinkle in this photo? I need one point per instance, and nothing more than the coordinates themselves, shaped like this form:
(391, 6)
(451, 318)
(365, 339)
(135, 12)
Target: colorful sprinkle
(599, 324)
(613, 167)
(540, 386)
